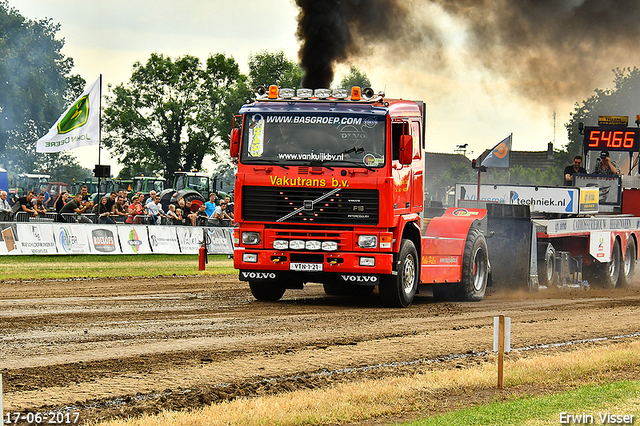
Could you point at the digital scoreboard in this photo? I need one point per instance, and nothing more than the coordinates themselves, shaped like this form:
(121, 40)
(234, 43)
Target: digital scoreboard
(611, 138)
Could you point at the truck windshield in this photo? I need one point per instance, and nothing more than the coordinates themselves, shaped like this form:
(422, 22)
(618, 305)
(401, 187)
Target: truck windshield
(329, 139)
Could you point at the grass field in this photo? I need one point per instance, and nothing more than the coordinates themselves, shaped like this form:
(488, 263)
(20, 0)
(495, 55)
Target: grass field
(92, 266)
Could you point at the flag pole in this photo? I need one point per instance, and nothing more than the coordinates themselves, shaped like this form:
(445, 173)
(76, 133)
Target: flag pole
(99, 148)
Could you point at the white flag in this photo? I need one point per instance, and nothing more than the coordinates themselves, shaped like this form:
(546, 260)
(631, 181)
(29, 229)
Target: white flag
(78, 126)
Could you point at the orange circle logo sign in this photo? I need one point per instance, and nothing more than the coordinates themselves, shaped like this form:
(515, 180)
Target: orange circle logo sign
(501, 150)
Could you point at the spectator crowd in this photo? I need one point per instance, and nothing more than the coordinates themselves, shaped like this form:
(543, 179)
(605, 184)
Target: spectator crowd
(117, 208)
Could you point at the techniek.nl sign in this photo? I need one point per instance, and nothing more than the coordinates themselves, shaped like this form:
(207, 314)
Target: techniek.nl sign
(539, 199)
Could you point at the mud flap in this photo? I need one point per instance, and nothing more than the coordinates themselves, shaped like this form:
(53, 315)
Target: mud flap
(511, 242)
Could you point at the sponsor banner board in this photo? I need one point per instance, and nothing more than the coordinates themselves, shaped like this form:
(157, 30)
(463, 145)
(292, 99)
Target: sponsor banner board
(103, 239)
(163, 239)
(190, 239)
(542, 199)
(36, 239)
(71, 239)
(9, 236)
(219, 240)
(608, 187)
(591, 224)
(134, 239)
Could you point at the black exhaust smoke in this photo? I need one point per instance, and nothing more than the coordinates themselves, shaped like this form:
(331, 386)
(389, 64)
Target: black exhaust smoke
(545, 49)
(329, 30)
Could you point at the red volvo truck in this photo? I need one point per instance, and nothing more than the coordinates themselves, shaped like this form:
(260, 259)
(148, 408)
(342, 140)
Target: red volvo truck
(329, 189)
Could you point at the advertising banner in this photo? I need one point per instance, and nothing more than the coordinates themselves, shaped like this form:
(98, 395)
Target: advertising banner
(71, 239)
(190, 239)
(608, 187)
(36, 238)
(134, 239)
(542, 199)
(104, 239)
(9, 236)
(219, 240)
(163, 239)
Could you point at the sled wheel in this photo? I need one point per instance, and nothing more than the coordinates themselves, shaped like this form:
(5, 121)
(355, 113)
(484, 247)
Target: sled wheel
(547, 265)
(628, 265)
(605, 275)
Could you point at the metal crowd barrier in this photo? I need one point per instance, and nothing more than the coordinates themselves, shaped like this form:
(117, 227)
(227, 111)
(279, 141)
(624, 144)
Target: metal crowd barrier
(91, 218)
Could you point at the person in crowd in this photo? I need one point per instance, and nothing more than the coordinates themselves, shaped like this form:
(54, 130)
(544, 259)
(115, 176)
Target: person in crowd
(201, 215)
(38, 205)
(135, 210)
(572, 169)
(151, 199)
(75, 206)
(230, 209)
(84, 192)
(221, 217)
(111, 201)
(60, 202)
(188, 214)
(604, 165)
(47, 197)
(104, 213)
(210, 206)
(5, 208)
(180, 218)
(172, 216)
(119, 211)
(154, 210)
(26, 206)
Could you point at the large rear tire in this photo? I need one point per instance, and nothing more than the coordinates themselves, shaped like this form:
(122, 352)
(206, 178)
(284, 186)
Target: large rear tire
(547, 265)
(628, 265)
(475, 266)
(605, 275)
(267, 291)
(398, 291)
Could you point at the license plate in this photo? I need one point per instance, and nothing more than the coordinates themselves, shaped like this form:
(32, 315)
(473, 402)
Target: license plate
(314, 267)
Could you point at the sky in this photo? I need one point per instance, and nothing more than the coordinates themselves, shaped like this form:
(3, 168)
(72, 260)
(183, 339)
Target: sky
(468, 101)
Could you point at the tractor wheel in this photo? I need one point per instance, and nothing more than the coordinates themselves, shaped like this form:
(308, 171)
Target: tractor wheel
(195, 198)
(605, 275)
(628, 265)
(475, 266)
(398, 291)
(267, 291)
(547, 265)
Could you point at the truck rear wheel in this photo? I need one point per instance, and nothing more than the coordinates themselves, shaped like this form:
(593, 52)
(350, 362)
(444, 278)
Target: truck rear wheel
(605, 275)
(398, 291)
(475, 266)
(266, 291)
(547, 265)
(628, 265)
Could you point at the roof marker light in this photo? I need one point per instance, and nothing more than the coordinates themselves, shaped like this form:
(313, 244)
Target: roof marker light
(304, 93)
(355, 93)
(273, 92)
(340, 93)
(322, 93)
(287, 93)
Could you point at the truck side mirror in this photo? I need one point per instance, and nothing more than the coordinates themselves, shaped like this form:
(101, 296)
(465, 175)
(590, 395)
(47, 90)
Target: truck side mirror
(406, 149)
(234, 145)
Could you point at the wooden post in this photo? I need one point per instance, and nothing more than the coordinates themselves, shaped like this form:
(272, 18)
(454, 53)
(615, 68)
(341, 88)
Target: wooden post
(500, 350)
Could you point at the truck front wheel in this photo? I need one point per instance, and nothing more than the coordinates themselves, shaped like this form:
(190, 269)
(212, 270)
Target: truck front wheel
(398, 291)
(266, 291)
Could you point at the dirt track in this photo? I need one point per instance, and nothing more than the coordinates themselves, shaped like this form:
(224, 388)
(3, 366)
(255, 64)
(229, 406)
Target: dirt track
(109, 347)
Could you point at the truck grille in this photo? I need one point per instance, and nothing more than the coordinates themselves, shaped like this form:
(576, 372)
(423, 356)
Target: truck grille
(311, 205)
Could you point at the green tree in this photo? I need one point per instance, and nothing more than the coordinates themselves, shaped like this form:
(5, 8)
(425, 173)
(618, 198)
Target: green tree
(173, 112)
(266, 68)
(355, 78)
(35, 86)
(458, 173)
(623, 99)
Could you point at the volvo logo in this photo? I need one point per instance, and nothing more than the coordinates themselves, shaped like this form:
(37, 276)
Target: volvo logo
(258, 275)
(360, 278)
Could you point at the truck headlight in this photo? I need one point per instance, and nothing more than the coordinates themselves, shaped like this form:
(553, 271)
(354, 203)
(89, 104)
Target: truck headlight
(313, 245)
(280, 244)
(249, 257)
(329, 246)
(250, 238)
(367, 241)
(296, 245)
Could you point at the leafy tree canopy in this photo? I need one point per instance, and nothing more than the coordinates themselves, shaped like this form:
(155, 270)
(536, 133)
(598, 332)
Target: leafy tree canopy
(355, 78)
(173, 112)
(35, 85)
(266, 68)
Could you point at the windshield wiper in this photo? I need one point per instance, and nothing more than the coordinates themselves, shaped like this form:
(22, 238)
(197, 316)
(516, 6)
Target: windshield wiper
(353, 149)
(267, 161)
(357, 163)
